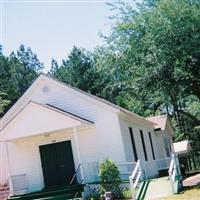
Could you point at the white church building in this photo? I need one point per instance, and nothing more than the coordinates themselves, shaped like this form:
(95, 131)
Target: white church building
(55, 130)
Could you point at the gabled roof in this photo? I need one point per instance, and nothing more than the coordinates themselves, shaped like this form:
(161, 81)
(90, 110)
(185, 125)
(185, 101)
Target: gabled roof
(63, 112)
(35, 118)
(79, 118)
(159, 120)
(182, 147)
(96, 99)
(102, 100)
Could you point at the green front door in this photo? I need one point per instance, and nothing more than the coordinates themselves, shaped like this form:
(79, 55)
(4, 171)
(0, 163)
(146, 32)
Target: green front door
(57, 163)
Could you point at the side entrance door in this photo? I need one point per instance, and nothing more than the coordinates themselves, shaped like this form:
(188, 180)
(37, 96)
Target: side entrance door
(57, 163)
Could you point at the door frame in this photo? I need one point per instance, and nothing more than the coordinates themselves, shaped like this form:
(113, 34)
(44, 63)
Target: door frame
(55, 142)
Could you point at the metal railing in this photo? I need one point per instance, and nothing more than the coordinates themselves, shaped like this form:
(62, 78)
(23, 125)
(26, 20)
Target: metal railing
(73, 178)
(75, 174)
(125, 170)
(126, 167)
(76, 194)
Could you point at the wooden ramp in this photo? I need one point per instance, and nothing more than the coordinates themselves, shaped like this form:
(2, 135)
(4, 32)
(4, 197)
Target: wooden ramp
(154, 188)
(157, 188)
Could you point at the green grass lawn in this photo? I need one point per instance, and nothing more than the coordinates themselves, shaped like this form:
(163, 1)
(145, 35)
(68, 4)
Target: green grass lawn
(189, 194)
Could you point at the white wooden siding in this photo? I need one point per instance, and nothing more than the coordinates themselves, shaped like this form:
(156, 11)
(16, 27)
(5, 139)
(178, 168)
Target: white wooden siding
(160, 147)
(25, 157)
(150, 165)
(36, 119)
(105, 142)
(68, 100)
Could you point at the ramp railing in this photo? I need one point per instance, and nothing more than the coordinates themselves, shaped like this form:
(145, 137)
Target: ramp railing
(92, 169)
(75, 175)
(135, 177)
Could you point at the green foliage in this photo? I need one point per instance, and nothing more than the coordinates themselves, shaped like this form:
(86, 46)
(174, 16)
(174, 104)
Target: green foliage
(158, 47)
(124, 194)
(193, 106)
(4, 102)
(78, 70)
(153, 57)
(127, 194)
(25, 67)
(17, 72)
(109, 176)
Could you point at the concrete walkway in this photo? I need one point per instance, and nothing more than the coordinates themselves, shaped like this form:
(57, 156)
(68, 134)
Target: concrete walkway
(158, 188)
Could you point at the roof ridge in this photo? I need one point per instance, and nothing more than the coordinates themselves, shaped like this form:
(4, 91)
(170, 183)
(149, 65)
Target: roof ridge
(162, 115)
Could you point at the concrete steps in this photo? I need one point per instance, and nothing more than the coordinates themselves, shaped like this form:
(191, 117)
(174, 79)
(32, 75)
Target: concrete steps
(61, 193)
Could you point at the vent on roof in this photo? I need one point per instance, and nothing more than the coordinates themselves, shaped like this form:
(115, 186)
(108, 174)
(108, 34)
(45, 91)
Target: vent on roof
(45, 89)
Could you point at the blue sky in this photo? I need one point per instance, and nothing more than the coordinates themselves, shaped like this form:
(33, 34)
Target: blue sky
(51, 29)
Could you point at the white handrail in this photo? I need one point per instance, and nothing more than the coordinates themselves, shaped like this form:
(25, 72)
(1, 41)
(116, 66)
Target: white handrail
(135, 170)
(135, 177)
(137, 180)
(125, 169)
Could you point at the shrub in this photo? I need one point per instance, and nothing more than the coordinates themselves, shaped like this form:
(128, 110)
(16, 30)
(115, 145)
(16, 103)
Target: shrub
(127, 194)
(109, 177)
